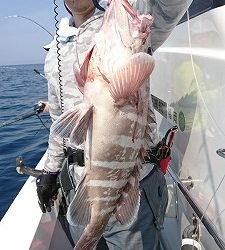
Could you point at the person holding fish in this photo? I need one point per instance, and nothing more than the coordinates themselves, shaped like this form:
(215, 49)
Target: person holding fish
(98, 71)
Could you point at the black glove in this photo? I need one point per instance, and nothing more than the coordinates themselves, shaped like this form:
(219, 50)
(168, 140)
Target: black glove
(47, 190)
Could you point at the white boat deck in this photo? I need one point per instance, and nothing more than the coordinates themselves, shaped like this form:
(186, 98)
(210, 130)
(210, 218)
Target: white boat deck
(25, 227)
(18, 226)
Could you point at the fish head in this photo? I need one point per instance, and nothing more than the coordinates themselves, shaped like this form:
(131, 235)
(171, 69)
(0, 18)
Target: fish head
(133, 30)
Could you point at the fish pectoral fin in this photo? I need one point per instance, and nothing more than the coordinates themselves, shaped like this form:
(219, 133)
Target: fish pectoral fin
(73, 124)
(79, 210)
(127, 208)
(79, 132)
(63, 126)
(128, 78)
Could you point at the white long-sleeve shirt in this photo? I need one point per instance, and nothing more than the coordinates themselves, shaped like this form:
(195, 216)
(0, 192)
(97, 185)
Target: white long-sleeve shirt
(73, 46)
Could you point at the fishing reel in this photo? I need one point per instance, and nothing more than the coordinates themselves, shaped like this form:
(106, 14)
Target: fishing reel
(160, 155)
(39, 107)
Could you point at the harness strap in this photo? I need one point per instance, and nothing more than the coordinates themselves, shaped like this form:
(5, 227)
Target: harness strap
(73, 156)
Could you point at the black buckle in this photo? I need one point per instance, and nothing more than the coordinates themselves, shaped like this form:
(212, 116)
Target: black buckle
(152, 156)
(75, 156)
(149, 51)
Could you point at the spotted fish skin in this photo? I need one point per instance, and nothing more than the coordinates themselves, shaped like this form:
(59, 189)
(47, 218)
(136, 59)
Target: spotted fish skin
(111, 122)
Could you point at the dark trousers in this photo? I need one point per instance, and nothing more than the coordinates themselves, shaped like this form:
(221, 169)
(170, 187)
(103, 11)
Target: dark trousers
(144, 232)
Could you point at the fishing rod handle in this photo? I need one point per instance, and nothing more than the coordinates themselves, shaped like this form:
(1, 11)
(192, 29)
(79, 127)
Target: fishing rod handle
(22, 169)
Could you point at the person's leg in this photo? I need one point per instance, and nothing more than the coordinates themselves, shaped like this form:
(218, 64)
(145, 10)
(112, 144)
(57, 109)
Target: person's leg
(76, 231)
(155, 188)
(144, 232)
(102, 244)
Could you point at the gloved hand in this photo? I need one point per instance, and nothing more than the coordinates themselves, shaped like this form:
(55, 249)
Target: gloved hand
(47, 190)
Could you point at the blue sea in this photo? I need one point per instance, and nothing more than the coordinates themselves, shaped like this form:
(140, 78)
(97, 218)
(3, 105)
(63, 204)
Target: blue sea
(20, 88)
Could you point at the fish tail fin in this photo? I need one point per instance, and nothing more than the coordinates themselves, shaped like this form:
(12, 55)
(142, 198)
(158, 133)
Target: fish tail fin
(73, 124)
(82, 213)
(129, 78)
(92, 233)
(87, 240)
(127, 208)
(79, 210)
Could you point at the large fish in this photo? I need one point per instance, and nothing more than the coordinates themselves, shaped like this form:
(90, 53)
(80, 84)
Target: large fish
(111, 121)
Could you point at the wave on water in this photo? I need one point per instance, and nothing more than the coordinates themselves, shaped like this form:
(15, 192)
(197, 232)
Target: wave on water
(20, 87)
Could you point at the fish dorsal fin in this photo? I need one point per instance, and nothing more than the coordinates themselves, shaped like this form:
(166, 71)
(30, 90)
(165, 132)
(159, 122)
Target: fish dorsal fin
(128, 78)
(73, 124)
(79, 210)
(81, 76)
(127, 208)
(80, 82)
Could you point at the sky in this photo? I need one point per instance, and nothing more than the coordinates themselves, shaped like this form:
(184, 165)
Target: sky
(21, 40)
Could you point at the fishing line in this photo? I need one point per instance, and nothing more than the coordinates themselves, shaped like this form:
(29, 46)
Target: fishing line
(213, 196)
(216, 217)
(33, 135)
(206, 108)
(31, 20)
(195, 76)
(43, 122)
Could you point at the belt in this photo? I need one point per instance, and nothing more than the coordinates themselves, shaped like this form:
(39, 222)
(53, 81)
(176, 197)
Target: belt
(73, 156)
(76, 156)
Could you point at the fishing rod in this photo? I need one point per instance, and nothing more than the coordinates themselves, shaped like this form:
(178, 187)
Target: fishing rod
(37, 109)
(39, 73)
(31, 20)
(22, 169)
(20, 166)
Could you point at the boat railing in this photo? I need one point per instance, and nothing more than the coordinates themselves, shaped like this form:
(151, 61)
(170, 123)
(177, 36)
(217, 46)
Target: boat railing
(208, 224)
